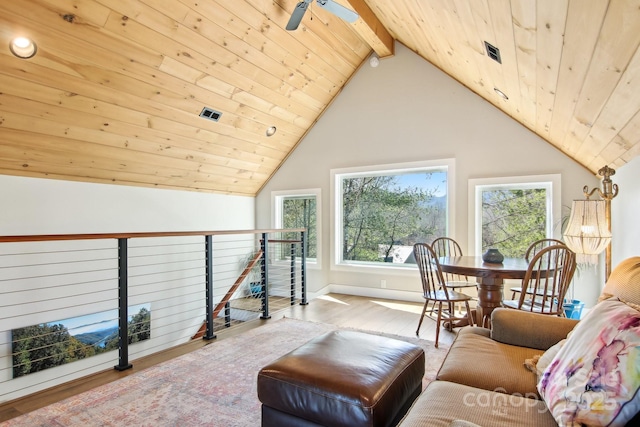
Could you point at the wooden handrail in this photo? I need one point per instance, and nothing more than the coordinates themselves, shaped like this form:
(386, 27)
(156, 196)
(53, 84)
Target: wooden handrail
(96, 236)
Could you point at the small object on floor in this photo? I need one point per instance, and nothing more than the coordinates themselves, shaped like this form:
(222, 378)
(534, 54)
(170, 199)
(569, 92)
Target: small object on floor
(342, 378)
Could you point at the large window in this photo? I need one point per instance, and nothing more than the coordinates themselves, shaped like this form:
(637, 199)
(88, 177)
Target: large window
(511, 213)
(381, 212)
(299, 209)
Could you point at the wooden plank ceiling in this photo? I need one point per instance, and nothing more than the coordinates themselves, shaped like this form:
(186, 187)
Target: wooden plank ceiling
(114, 93)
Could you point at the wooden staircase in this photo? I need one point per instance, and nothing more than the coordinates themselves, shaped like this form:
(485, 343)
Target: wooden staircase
(220, 306)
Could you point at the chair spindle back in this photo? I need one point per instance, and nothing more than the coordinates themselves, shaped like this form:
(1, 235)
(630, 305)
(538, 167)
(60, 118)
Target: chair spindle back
(448, 247)
(430, 271)
(538, 245)
(547, 280)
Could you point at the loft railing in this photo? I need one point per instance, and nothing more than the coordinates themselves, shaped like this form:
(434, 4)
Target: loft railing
(73, 305)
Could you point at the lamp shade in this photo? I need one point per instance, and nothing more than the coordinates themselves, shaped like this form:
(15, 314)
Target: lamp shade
(587, 233)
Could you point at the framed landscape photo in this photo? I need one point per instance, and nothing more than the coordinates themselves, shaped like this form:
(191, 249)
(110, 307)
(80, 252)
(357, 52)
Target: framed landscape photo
(51, 344)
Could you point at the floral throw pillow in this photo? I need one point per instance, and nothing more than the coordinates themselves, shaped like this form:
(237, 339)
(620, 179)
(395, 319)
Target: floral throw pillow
(548, 356)
(594, 379)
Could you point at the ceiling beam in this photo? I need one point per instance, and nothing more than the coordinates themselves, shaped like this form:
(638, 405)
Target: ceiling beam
(371, 29)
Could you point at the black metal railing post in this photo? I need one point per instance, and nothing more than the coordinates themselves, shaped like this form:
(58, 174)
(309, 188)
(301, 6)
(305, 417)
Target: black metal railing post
(264, 274)
(293, 272)
(227, 315)
(209, 335)
(123, 315)
(303, 270)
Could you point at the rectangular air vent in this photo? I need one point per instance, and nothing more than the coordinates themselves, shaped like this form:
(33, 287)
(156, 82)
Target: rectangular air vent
(493, 52)
(210, 114)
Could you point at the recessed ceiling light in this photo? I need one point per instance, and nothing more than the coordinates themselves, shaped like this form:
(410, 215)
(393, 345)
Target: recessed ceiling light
(501, 93)
(23, 47)
(271, 130)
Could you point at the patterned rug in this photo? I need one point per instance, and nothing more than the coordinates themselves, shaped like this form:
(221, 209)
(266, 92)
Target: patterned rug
(212, 386)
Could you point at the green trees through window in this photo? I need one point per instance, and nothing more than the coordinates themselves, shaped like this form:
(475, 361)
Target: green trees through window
(384, 215)
(513, 218)
(300, 212)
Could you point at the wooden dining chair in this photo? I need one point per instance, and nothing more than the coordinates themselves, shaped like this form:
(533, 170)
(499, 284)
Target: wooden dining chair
(446, 246)
(436, 291)
(546, 281)
(532, 250)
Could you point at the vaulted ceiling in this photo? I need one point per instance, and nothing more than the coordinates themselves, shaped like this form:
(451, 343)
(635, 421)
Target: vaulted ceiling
(115, 90)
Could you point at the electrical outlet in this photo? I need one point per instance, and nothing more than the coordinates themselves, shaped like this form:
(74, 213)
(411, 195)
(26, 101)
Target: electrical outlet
(383, 284)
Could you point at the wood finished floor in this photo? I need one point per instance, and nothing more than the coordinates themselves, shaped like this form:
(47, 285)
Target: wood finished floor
(374, 314)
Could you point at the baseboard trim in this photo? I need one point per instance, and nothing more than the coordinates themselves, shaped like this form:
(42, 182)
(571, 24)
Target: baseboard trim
(368, 292)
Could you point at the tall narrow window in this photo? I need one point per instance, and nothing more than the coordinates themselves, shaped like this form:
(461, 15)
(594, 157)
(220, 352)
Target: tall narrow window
(299, 209)
(381, 212)
(512, 213)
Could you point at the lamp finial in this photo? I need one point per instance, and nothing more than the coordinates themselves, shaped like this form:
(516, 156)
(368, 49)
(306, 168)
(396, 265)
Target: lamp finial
(609, 189)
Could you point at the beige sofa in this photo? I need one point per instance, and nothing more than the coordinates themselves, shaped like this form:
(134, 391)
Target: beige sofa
(483, 380)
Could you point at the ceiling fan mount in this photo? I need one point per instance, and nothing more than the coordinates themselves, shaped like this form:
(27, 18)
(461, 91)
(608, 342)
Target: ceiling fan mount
(329, 5)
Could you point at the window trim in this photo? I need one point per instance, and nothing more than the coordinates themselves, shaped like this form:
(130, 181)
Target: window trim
(554, 202)
(276, 217)
(384, 169)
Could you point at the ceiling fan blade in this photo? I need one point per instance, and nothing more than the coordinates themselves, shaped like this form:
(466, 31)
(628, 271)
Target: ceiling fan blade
(298, 13)
(338, 10)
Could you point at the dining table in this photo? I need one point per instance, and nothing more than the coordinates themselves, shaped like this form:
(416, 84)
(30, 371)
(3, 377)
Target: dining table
(490, 278)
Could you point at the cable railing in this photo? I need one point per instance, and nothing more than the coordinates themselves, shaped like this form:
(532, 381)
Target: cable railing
(74, 305)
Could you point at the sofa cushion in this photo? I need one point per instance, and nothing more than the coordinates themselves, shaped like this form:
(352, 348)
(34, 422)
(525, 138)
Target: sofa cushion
(521, 328)
(478, 361)
(444, 402)
(463, 423)
(624, 282)
(594, 378)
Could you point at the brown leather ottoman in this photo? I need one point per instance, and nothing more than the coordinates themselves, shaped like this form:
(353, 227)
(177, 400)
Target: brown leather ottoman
(342, 378)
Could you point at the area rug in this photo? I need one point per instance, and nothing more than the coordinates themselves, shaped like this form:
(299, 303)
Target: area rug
(212, 386)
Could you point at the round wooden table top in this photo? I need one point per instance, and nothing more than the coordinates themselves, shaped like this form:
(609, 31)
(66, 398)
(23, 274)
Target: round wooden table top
(510, 268)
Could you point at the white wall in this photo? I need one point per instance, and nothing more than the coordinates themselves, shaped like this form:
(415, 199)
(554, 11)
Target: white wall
(30, 294)
(45, 206)
(407, 110)
(625, 227)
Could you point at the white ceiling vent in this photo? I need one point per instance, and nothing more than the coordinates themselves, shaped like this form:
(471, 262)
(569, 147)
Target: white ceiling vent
(493, 52)
(210, 114)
